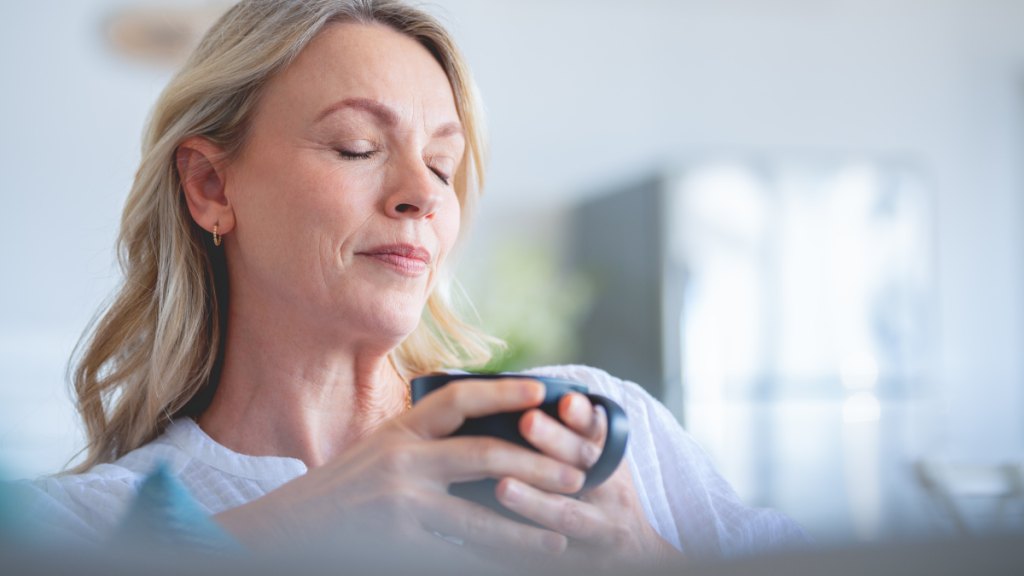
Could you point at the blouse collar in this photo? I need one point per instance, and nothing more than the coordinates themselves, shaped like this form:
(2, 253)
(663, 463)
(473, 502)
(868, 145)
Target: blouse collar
(186, 434)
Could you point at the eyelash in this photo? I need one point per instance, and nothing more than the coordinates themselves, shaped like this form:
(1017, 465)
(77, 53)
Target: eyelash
(446, 180)
(356, 155)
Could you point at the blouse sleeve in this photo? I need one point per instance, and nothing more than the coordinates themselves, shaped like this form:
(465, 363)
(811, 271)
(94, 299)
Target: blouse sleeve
(684, 497)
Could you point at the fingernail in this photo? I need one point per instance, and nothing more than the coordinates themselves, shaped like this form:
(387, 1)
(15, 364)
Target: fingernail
(590, 454)
(572, 479)
(576, 404)
(532, 390)
(536, 423)
(600, 418)
(513, 493)
(554, 543)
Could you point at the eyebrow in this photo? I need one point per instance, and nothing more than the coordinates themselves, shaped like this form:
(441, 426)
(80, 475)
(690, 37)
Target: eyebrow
(385, 115)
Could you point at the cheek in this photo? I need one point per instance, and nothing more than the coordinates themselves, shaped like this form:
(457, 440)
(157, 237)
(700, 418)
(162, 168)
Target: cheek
(295, 215)
(448, 224)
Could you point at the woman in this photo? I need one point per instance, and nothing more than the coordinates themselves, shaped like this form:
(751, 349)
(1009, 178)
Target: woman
(303, 180)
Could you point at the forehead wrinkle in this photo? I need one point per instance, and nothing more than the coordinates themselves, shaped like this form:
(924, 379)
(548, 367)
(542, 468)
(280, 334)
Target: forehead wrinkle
(371, 61)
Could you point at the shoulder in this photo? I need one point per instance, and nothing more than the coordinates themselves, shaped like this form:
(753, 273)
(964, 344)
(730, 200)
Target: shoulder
(88, 505)
(104, 484)
(597, 380)
(80, 507)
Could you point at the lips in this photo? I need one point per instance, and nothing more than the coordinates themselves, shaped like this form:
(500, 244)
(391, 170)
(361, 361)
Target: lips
(406, 259)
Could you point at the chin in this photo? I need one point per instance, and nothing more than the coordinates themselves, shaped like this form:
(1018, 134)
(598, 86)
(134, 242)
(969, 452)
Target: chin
(395, 325)
(379, 315)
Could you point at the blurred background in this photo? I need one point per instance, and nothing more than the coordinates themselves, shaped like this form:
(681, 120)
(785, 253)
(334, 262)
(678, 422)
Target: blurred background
(796, 222)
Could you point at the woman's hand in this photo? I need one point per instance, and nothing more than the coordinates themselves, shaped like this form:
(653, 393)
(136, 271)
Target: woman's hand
(394, 482)
(608, 523)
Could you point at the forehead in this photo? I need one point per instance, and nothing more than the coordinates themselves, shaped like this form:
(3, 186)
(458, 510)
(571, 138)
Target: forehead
(364, 61)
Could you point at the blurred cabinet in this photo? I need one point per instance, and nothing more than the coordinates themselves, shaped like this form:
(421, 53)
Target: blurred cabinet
(618, 244)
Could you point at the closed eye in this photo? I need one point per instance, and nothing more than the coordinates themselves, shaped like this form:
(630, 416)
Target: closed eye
(446, 179)
(443, 166)
(350, 155)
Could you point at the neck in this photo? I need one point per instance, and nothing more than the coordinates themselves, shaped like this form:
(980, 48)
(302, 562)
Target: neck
(283, 393)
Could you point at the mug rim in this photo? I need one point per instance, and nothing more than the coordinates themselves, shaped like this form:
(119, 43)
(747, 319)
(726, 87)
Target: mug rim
(434, 381)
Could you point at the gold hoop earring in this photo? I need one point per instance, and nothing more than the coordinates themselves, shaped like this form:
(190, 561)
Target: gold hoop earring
(216, 235)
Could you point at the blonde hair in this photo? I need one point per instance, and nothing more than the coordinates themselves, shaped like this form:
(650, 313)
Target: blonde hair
(155, 352)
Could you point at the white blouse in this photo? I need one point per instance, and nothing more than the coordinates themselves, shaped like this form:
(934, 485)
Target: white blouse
(685, 499)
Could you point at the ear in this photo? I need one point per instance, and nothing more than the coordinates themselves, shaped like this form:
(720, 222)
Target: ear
(201, 169)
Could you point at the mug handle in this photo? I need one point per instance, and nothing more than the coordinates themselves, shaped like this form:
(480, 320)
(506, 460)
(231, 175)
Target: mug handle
(614, 442)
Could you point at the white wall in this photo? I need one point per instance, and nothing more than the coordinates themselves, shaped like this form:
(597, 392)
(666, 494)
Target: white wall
(580, 93)
(583, 93)
(71, 116)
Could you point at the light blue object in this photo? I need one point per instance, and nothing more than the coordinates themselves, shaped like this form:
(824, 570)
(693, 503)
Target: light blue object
(16, 526)
(165, 515)
(7, 513)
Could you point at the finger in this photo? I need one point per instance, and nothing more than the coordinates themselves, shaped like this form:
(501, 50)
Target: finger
(600, 423)
(579, 414)
(442, 412)
(553, 438)
(476, 524)
(569, 516)
(467, 458)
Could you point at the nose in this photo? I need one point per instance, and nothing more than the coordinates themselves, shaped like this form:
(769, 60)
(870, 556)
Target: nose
(414, 192)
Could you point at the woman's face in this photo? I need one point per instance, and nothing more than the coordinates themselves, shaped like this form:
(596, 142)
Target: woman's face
(342, 194)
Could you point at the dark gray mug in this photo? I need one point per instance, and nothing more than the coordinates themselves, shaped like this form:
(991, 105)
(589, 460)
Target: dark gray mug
(506, 427)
